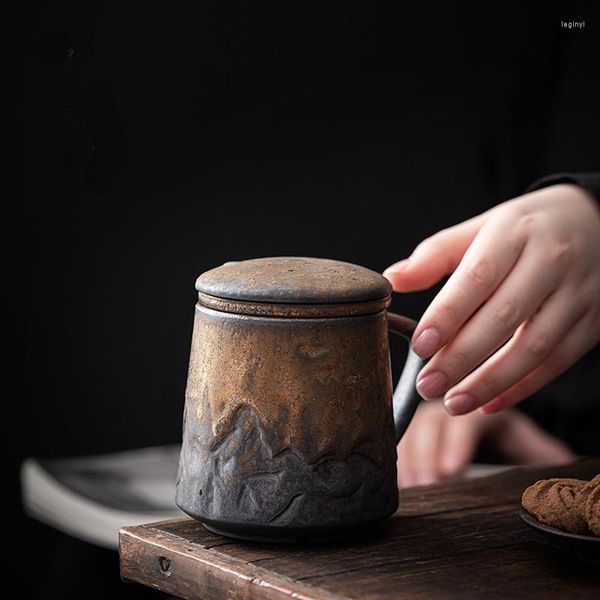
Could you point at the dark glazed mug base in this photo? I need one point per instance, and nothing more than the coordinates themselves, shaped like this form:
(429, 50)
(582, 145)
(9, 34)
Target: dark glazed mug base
(292, 535)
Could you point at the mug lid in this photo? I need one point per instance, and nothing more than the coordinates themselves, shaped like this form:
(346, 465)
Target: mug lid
(294, 280)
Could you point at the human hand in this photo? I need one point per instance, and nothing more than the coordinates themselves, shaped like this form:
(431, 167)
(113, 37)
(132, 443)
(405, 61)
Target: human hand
(437, 445)
(522, 304)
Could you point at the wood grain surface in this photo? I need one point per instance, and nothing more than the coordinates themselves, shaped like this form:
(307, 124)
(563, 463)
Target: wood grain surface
(460, 539)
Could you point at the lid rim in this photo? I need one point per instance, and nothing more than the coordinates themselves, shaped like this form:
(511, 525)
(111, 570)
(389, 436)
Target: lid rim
(296, 311)
(232, 298)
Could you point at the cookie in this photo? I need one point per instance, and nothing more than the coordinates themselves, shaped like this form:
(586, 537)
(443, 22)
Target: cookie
(554, 502)
(586, 490)
(592, 509)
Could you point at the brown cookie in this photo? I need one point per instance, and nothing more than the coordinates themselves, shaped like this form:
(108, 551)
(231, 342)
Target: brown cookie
(554, 502)
(534, 498)
(592, 509)
(562, 499)
(585, 491)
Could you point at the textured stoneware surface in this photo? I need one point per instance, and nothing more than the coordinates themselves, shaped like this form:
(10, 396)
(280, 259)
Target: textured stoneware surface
(288, 419)
(288, 422)
(295, 280)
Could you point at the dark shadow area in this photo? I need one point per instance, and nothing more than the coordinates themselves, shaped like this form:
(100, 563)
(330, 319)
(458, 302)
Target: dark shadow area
(148, 143)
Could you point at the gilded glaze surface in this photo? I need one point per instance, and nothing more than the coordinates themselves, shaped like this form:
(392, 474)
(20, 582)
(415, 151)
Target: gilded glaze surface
(288, 422)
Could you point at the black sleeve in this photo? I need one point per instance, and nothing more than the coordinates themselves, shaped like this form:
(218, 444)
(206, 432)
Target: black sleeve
(588, 181)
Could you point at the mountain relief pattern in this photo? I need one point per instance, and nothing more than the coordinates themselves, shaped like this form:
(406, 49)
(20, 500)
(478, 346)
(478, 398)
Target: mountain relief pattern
(237, 478)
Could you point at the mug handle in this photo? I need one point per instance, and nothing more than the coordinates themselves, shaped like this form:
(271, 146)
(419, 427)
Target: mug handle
(405, 398)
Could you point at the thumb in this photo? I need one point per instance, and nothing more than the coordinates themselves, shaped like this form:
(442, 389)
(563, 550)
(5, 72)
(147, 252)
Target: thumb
(434, 257)
(459, 444)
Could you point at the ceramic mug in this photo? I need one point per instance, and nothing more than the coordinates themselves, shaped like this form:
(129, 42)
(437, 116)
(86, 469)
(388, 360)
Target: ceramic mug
(290, 429)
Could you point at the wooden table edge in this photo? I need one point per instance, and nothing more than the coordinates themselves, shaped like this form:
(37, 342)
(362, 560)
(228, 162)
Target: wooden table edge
(144, 545)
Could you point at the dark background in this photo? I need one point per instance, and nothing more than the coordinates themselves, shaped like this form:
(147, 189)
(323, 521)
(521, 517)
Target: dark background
(148, 142)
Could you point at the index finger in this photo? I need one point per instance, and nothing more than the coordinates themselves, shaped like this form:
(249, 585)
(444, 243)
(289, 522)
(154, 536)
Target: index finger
(495, 249)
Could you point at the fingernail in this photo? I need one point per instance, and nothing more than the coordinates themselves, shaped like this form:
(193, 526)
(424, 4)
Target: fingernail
(432, 385)
(460, 404)
(492, 406)
(427, 343)
(399, 266)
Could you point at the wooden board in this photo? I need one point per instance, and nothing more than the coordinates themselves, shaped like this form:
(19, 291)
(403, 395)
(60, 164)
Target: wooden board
(459, 539)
